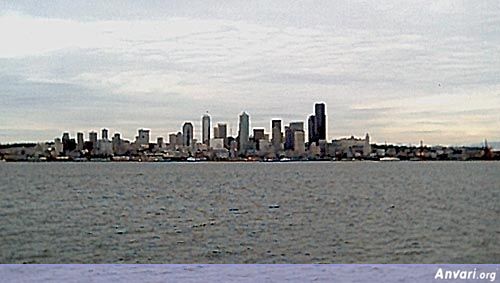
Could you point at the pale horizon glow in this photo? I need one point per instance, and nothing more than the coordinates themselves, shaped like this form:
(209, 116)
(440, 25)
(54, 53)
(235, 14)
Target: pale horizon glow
(399, 70)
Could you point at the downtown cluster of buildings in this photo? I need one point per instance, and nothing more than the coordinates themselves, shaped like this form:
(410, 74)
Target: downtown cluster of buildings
(284, 142)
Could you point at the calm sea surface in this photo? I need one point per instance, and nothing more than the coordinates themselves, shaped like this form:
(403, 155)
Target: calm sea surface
(344, 212)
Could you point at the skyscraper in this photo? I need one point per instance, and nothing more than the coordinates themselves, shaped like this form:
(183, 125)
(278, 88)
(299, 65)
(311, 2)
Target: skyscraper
(311, 130)
(187, 133)
(221, 131)
(93, 138)
(243, 132)
(258, 134)
(297, 126)
(104, 134)
(288, 138)
(320, 121)
(79, 141)
(290, 131)
(205, 126)
(298, 142)
(172, 140)
(276, 134)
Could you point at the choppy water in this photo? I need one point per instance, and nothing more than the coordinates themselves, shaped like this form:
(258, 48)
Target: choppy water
(349, 212)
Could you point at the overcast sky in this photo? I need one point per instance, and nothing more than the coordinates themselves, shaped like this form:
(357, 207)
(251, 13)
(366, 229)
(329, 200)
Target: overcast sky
(401, 70)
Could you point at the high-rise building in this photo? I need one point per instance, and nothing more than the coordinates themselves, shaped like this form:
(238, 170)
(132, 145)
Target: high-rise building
(179, 139)
(143, 137)
(58, 146)
(79, 141)
(258, 134)
(187, 133)
(243, 132)
(205, 126)
(297, 126)
(159, 142)
(298, 142)
(221, 132)
(172, 140)
(93, 138)
(276, 134)
(104, 134)
(320, 121)
(68, 144)
(288, 138)
(290, 134)
(311, 129)
(65, 137)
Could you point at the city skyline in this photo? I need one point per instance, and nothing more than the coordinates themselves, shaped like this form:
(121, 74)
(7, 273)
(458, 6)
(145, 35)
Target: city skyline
(402, 71)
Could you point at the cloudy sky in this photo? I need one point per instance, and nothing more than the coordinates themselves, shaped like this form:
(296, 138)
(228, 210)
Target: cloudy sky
(401, 70)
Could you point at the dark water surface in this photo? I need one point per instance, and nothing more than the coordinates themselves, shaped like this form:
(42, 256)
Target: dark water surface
(352, 212)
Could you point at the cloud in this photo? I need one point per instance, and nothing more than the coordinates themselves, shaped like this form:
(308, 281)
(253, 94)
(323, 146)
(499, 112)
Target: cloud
(386, 68)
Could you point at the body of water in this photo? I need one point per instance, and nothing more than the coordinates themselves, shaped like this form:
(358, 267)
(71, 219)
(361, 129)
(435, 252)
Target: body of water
(309, 212)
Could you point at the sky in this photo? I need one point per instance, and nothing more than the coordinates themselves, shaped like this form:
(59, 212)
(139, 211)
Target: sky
(402, 71)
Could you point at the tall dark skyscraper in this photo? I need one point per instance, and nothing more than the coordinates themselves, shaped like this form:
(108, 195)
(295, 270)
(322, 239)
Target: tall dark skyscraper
(187, 134)
(319, 121)
(288, 138)
(310, 129)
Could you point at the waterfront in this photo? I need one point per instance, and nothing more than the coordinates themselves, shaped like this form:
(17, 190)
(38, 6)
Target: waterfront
(314, 212)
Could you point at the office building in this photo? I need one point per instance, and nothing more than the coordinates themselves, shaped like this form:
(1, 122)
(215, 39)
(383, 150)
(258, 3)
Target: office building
(320, 121)
(93, 138)
(276, 134)
(143, 137)
(220, 131)
(288, 138)
(258, 135)
(243, 132)
(104, 134)
(205, 127)
(298, 142)
(79, 141)
(311, 130)
(187, 133)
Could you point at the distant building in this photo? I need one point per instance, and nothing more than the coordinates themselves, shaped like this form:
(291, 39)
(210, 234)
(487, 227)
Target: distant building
(93, 138)
(116, 142)
(142, 137)
(297, 126)
(233, 149)
(317, 124)
(217, 143)
(288, 138)
(205, 126)
(79, 141)
(258, 134)
(104, 134)
(187, 133)
(299, 142)
(172, 140)
(243, 132)
(179, 139)
(220, 131)
(276, 134)
(159, 142)
(311, 130)
(320, 121)
(58, 146)
(351, 147)
(367, 148)
(290, 134)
